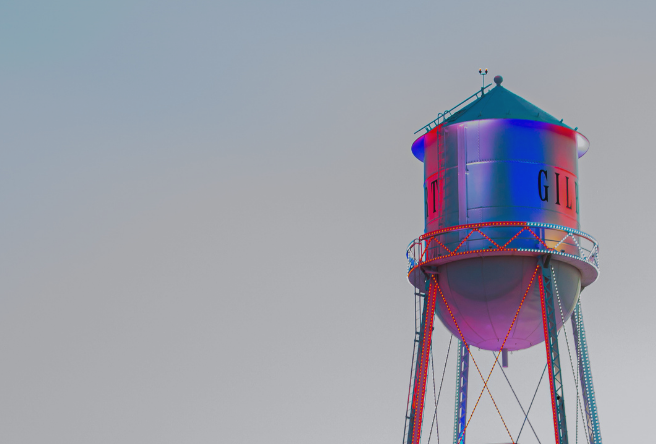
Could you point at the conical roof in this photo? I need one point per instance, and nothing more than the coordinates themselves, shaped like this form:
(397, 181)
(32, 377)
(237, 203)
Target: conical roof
(499, 103)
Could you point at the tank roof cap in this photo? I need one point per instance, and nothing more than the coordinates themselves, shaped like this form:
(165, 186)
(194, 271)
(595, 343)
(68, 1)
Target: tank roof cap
(498, 80)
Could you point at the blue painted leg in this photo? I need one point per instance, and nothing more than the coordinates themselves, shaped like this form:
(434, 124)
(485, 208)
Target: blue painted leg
(586, 376)
(462, 379)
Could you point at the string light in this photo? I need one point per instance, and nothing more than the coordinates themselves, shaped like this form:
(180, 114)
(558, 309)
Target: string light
(549, 363)
(488, 238)
(422, 247)
(485, 381)
(513, 238)
(422, 372)
(426, 248)
(499, 353)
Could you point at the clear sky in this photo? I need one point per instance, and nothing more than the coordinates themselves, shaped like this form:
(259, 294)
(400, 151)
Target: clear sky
(205, 209)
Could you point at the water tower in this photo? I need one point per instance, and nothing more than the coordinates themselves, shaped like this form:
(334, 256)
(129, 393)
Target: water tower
(502, 260)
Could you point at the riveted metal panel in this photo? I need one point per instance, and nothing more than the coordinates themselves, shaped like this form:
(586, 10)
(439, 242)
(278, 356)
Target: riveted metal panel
(502, 170)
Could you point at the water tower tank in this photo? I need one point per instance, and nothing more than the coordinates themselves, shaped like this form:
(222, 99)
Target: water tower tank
(501, 189)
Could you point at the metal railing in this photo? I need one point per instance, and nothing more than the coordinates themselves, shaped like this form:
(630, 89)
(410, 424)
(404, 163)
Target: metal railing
(443, 116)
(496, 237)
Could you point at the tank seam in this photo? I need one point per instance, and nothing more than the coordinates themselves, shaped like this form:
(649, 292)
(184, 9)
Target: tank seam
(521, 161)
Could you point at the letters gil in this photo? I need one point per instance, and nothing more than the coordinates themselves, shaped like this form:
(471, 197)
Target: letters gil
(543, 190)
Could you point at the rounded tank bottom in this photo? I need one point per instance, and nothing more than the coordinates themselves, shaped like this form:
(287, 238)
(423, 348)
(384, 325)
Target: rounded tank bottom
(484, 294)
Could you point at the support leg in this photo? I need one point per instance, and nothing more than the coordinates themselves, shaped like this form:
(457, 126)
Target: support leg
(462, 382)
(586, 376)
(421, 366)
(553, 354)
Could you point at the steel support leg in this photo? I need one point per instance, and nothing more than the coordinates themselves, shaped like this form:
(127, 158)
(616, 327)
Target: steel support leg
(553, 354)
(421, 366)
(462, 382)
(586, 376)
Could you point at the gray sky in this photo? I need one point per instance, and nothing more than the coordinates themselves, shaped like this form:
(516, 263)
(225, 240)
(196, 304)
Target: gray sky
(206, 207)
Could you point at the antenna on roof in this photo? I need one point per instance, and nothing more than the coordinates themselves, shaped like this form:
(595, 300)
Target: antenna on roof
(483, 72)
